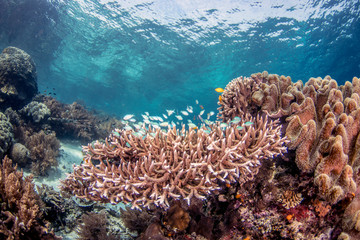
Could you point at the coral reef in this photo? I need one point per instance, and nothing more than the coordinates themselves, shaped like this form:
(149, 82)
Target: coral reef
(35, 111)
(177, 164)
(238, 181)
(35, 145)
(322, 123)
(6, 135)
(20, 215)
(18, 78)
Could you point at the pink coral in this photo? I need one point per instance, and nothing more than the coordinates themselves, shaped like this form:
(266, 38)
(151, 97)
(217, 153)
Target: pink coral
(178, 164)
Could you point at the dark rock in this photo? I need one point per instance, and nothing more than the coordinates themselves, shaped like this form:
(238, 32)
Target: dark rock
(18, 78)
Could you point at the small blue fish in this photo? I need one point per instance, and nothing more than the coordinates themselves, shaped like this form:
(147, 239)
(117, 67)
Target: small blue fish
(116, 134)
(239, 128)
(248, 123)
(223, 125)
(236, 120)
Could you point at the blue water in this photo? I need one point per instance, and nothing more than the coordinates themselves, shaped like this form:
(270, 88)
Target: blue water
(134, 56)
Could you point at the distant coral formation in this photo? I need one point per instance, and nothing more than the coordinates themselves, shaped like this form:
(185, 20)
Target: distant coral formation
(20, 214)
(18, 78)
(75, 121)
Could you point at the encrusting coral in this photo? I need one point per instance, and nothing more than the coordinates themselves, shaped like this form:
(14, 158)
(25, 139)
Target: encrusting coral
(178, 164)
(322, 123)
(20, 215)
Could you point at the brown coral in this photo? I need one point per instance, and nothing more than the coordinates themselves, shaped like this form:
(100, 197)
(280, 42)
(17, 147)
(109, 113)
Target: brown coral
(323, 124)
(176, 218)
(44, 149)
(177, 164)
(321, 208)
(74, 120)
(93, 227)
(20, 216)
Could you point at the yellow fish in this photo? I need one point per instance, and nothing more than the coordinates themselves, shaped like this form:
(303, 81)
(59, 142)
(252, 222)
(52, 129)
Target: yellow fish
(219, 90)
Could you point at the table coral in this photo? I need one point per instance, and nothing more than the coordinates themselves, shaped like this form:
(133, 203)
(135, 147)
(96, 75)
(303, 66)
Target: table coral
(178, 164)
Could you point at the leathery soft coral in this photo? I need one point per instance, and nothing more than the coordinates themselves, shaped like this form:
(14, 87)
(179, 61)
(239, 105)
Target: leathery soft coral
(322, 123)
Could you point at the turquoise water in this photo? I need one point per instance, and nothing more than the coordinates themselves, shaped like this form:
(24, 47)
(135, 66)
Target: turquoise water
(134, 56)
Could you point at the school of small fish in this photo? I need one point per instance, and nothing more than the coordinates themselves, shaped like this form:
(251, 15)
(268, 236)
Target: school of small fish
(172, 117)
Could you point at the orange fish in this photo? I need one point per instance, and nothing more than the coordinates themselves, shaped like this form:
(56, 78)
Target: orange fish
(201, 106)
(220, 90)
(220, 98)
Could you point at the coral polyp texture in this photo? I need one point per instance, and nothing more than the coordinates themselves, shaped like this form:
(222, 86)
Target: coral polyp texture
(154, 167)
(322, 123)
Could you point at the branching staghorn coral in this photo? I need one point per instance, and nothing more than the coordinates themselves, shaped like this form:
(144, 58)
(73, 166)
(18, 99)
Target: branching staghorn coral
(153, 168)
(322, 119)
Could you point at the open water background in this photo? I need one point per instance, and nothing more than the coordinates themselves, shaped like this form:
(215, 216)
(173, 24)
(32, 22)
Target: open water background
(133, 56)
